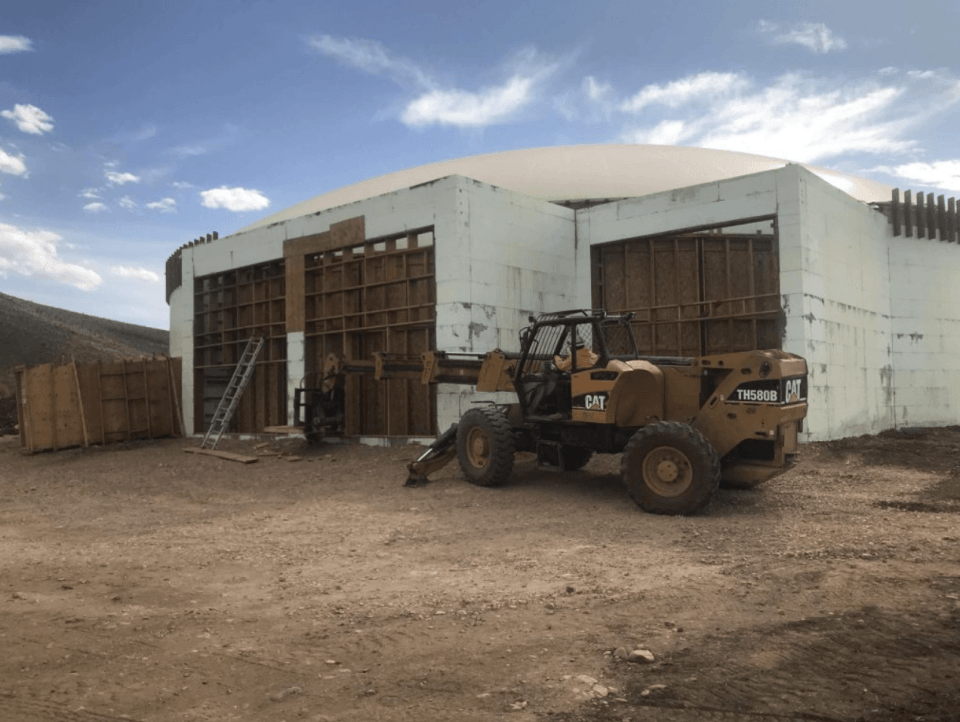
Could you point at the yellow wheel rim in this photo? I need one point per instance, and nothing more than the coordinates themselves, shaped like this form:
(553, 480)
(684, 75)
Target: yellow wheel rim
(478, 448)
(667, 471)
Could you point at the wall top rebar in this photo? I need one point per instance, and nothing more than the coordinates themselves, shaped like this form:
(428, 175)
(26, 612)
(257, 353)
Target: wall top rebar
(926, 218)
(174, 271)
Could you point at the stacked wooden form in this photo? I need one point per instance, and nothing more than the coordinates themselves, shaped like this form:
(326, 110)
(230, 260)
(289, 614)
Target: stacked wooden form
(82, 404)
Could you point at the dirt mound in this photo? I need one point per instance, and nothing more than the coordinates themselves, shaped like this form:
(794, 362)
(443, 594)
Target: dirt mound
(34, 334)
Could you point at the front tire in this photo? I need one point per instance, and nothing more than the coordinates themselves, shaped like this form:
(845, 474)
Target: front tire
(485, 446)
(670, 468)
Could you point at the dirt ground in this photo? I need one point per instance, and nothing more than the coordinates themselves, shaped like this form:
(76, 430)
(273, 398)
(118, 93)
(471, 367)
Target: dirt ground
(141, 582)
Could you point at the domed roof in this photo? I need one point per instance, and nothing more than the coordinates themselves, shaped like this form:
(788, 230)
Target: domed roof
(582, 173)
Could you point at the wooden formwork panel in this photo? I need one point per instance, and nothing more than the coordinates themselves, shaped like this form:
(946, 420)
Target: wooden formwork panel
(78, 405)
(693, 294)
(377, 296)
(231, 308)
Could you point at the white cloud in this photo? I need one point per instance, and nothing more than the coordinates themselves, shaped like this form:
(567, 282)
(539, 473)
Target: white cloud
(234, 199)
(466, 109)
(943, 174)
(164, 205)
(667, 132)
(139, 273)
(118, 179)
(29, 119)
(815, 37)
(35, 253)
(796, 118)
(91, 193)
(127, 202)
(182, 184)
(95, 207)
(14, 44)
(702, 86)
(594, 90)
(12, 164)
(437, 105)
(371, 57)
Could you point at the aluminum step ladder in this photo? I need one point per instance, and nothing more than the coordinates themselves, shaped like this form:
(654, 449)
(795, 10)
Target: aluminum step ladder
(231, 397)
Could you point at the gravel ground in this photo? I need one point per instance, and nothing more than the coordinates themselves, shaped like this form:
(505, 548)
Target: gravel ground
(140, 582)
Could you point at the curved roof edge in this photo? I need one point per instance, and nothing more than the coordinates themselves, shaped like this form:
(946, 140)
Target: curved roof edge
(581, 173)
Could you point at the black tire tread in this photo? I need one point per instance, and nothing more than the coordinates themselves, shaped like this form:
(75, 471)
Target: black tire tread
(501, 441)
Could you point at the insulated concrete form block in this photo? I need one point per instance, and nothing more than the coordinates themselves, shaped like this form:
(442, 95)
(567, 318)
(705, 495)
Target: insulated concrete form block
(296, 367)
(508, 245)
(925, 310)
(181, 327)
(846, 288)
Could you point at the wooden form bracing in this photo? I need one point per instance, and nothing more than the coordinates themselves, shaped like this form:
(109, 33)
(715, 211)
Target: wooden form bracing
(378, 296)
(355, 296)
(693, 294)
(82, 404)
(230, 308)
(933, 218)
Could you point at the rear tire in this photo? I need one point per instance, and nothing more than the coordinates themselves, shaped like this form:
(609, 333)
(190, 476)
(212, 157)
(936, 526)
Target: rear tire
(670, 468)
(485, 447)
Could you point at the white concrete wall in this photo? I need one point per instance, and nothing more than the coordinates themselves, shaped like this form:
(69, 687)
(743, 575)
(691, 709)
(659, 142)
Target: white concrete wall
(925, 331)
(499, 256)
(513, 256)
(876, 317)
(841, 258)
(834, 281)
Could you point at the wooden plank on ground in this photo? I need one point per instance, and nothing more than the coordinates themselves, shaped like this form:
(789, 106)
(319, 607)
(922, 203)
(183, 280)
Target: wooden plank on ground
(223, 455)
(282, 429)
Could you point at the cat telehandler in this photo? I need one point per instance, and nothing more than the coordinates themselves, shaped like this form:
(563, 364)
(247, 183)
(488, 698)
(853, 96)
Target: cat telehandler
(683, 425)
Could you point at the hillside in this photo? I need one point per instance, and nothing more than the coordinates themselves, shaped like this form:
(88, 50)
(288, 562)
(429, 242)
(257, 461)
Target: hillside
(33, 334)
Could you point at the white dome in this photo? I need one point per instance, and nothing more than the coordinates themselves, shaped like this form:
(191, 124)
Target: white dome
(581, 173)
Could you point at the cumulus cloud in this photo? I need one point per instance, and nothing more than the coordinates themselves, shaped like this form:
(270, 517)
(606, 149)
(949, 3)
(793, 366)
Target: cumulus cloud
(815, 37)
(29, 119)
(91, 193)
(372, 57)
(14, 44)
(12, 164)
(943, 174)
(234, 199)
(466, 109)
(794, 117)
(127, 202)
(164, 205)
(138, 273)
(118, 179)
(96, 207)
(36, 254)
(702, 86)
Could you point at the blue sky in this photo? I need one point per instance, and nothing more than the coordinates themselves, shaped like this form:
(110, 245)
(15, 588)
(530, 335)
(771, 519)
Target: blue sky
(129, 128)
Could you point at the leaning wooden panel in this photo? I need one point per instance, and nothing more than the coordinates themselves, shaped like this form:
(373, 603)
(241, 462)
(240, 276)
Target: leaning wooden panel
(40, 402)
(69, 429)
